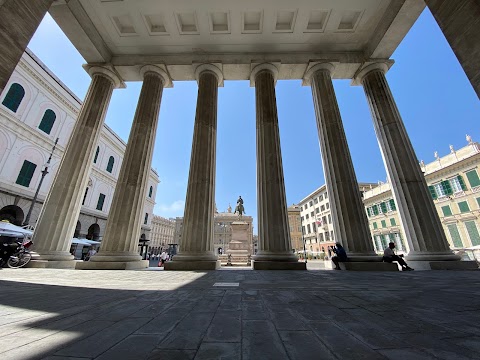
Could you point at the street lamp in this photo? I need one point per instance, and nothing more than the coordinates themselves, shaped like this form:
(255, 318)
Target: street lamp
(44, 173)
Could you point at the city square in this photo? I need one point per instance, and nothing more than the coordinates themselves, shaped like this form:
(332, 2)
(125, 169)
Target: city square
(149, 151)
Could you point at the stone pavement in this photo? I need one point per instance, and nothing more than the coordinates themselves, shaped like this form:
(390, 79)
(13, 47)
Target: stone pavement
(67, 314)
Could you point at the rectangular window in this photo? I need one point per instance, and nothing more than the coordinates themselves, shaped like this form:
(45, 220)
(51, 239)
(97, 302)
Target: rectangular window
(375, 225)
(455, 235)
(446, 210)
(308, 229)
(327, 205)
(390, 205)
(439, 190)
(312, 214)
(314, 227)
(384, 223)
(433, 193)
(317, 210)
(473, 179)
(306, 206)
(331, 235)
(315, 201)
(322, 207)
(473, 232)
(301, 219)
(101, 200)
(375, 209)
(329, 219)
(26, 173)
(303, 229)
(392, 222)
(327, 236)
(310, 203)
(307, 216)
(326, 196)
(320, 198)
(457, 184)
(383, 207)
(324, 220)
(321, 237)
(463, 207)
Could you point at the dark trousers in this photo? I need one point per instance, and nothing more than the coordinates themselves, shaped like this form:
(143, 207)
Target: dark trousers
(395, 258)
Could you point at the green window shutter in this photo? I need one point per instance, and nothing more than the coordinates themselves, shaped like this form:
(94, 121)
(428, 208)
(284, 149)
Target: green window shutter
(447, 187)
(473, 179)
(463, 206)
(432, 192)
(462, 183)
(446, 210)
(383, 206)
(392, 222)
(26, 173)
(375, 225)
(47, 121)
(392, 204)
(384, 224)
(96, 155)
(14, 97)
(101, 200)
(375, 209)
(455, 235)
(473, 232)
(111, 161)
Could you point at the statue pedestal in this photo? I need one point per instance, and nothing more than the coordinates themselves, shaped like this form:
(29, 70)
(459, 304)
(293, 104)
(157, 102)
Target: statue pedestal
(240, 247)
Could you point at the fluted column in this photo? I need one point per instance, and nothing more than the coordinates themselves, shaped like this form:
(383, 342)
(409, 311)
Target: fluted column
(459, 21)
(196, 251)
(55, 227)
(425, 236)
(274, 245)
(19, 19)
(119, 248)
(349, 218)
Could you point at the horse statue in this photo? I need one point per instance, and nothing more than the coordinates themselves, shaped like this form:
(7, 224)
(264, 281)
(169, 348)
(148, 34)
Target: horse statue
(239, 208)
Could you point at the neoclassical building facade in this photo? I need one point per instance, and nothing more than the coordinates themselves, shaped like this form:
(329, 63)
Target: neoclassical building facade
(159, 42)
(454, 184)
(36, 109)
(162, 234)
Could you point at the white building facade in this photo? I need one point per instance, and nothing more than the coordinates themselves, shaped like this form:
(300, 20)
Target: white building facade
(162, 233)
(35, 109)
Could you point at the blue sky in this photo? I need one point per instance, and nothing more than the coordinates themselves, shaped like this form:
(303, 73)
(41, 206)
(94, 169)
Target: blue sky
(434, 96)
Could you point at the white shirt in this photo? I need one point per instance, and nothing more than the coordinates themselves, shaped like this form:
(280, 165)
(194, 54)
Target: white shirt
(91, 252)
(163, 256)
(388, 252)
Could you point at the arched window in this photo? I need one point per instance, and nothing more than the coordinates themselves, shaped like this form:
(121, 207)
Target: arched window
(14, 97)
(47, 121)
(111, 161)
(150, 192)
(146, 219)
(96, 155)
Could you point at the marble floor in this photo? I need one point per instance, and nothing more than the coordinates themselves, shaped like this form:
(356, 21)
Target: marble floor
(239, 314)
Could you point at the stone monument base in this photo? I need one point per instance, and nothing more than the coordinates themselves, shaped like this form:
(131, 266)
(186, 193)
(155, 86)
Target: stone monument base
(278, 265)
(112, 265)
(180, 265)
(52, 264)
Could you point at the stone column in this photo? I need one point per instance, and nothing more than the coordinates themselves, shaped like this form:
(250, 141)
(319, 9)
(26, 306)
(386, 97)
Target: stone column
(425, 236)
(196, 251)
(460, 21)
(19, 19)
(58, 218)
(274, 246)
(348, 213)
(119, 248)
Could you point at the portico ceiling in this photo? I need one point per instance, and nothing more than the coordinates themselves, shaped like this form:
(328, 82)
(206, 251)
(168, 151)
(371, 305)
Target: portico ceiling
(234, 34)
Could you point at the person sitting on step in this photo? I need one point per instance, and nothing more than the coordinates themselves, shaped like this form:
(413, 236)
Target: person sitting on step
(390, 256)
(340, 255)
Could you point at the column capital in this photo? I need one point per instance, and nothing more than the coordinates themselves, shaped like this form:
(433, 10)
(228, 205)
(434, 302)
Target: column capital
(199, 68)
(260, 67)
(167, 82)
(314, 68)
(107, 71)
(383, 66)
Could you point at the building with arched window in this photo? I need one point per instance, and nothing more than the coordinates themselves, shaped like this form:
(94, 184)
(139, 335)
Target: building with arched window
(35, 109)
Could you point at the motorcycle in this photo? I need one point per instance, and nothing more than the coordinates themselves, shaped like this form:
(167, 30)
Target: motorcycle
(15, 254)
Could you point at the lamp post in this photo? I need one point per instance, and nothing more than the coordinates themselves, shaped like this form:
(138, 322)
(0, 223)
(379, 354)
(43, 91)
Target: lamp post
(44, 173)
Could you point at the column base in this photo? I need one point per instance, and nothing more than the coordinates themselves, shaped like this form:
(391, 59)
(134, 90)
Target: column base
(112, 265)
(443, 265)
(52, 264)
(278, 265)
(367, 266)
(432, 256)
(187, 265)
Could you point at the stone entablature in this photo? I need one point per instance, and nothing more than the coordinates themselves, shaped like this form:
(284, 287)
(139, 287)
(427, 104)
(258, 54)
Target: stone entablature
(22, 139)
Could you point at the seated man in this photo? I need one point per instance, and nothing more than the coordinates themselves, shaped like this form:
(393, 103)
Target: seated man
(389, 256)
(340, 255)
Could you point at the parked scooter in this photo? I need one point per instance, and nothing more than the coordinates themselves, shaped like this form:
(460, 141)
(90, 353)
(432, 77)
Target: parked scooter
(15, 254)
